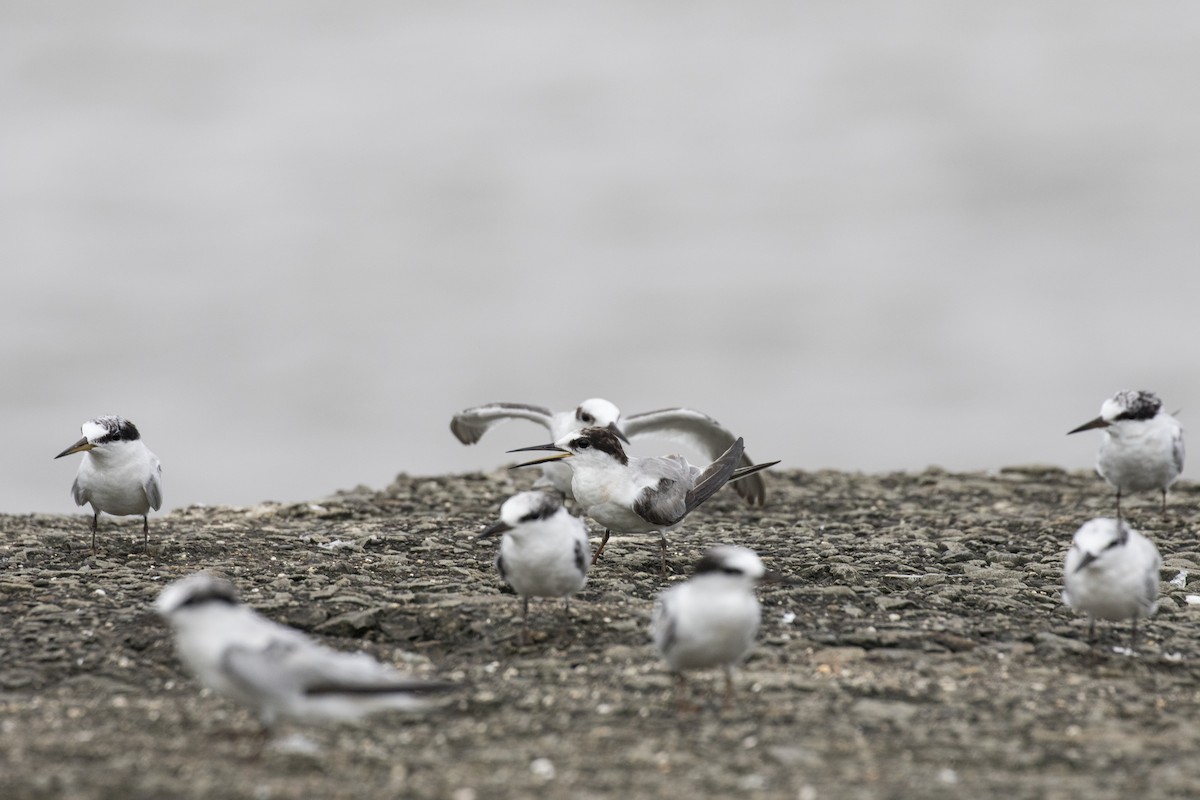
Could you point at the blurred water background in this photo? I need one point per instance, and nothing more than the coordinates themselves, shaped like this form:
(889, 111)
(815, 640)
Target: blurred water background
(290, 239)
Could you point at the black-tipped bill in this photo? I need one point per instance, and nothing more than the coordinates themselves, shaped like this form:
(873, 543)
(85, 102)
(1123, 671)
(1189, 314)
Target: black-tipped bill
(612, 426)
(1088, 558)
(1098, 422)
(559, 453)
(78, 447)
(494, 528)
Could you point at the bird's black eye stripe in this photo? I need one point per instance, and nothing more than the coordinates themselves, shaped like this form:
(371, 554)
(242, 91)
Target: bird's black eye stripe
(1112, 544)
(200, 598)
(733, 571)
(583, 444)
(588, 418)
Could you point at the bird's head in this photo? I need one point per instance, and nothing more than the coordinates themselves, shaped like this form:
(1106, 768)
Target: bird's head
(199, 590)
(599, 413)
(524, 507)
(103, 433)
(594, 445)
(1097, 537)
(1122, 407)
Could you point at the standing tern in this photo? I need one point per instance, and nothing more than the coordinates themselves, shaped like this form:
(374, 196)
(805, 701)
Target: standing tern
(118, 475)
(628, 494)
(543, 552)
(683, 425)
(1141, 447)
(279, 672)
(712, 619)
(1111, 572)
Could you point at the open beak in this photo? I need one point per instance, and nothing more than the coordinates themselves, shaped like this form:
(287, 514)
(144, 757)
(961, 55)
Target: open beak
(560, 453)
(494, 528)
(1098, 422)
(1088, 558)
(78, 447)
(617, 432)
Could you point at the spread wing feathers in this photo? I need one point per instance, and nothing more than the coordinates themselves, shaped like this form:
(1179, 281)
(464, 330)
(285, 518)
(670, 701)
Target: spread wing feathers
(153, 487)
(699, 431)
(289, 668)
(471, 424)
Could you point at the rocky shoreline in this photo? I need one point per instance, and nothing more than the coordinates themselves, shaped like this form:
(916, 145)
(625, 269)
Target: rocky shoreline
(923, 652)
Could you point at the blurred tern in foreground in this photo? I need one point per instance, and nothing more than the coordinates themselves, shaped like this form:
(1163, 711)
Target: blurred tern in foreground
(1142, 445)
(689, 428)
(628, 494)
(712, 619)
(279, 672)
(543, 552)
(1111, 572)
(118, 475)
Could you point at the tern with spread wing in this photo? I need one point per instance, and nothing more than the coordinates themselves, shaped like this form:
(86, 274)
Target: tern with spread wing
(628, 494)
(683, 425)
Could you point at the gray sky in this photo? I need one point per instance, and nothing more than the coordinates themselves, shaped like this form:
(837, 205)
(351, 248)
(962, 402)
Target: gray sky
(290, 241)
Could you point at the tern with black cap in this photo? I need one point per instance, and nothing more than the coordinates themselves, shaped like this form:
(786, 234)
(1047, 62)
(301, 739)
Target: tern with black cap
(1141, 446)
(118, 475)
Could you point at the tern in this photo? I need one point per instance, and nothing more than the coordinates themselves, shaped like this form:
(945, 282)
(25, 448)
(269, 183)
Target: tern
(628, 494)
(277, 671)
(1111, 572)
(712, 619)
(1142, 446)
(683, 425)
(118, 475)
(543, 552)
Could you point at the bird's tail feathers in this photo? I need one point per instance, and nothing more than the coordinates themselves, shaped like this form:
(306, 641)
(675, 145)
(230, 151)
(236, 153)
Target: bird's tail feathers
(716, 475)
(746, 472)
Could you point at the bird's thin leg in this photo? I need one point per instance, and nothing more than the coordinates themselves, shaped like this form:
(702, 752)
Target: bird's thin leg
(662, 554)
(1133, 637)
(1092, 630)
(1118, 504)
(567, 607)
(95, 522)
(728, 687)
(683, 702)
(1164, 511)
(600, 549)
(524, 638)
(145, 533)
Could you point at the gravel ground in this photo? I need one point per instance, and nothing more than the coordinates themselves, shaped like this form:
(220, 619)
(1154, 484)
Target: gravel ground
(923, 652)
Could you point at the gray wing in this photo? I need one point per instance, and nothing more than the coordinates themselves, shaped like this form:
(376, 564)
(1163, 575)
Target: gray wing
(153, 486)
(77, 492)
(666, 501)
(699, 431)
(581, 558)
(290, 666)
(662, 624)
(471, 424)
(1177, 449)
